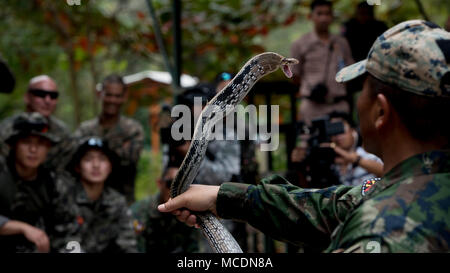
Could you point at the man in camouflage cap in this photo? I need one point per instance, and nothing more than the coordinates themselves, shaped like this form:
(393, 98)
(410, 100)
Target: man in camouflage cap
(124, 135)
(26, 188)
(403, 110)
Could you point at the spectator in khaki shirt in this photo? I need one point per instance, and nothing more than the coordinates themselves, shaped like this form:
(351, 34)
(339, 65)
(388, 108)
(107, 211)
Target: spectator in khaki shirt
(321, 55)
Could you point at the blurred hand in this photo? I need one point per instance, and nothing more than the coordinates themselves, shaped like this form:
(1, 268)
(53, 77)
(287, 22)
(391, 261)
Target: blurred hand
(349, 157)
(343, 156)
(196, 198)
(37, 237)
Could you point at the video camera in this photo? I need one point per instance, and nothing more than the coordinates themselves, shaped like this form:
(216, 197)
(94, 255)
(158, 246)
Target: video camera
(319, 159)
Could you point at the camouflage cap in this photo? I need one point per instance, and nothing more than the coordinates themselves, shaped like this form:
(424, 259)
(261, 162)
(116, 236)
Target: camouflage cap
(413, 55)
(84, 144)
(30, 123)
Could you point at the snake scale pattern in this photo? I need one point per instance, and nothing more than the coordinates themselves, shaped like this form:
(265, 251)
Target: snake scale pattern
(223, 103)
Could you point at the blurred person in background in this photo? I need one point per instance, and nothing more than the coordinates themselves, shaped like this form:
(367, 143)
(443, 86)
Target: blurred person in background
(321, 55)
(26, 186)
(361, 31)
(352, 162)
(87, 210)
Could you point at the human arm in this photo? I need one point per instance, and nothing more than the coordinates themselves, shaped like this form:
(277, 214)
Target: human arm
(32, 234)
(370, 165)
(276, 207)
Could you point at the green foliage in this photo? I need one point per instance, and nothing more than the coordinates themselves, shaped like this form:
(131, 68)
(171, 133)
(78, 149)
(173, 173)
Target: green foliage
(149, 170)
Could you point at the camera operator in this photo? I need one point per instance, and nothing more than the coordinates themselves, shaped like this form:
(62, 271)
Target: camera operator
(329, 154)
(352, 162)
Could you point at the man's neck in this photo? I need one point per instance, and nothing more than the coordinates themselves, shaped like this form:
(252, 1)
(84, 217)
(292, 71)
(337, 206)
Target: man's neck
(108, 121)
(27, 174)
(93, 191)
(324, 36)
(399, 148)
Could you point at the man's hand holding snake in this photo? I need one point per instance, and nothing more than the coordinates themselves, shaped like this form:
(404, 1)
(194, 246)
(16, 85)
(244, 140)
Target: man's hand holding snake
(196, 198)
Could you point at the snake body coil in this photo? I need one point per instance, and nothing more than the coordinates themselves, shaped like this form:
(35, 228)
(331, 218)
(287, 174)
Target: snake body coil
(223, 103)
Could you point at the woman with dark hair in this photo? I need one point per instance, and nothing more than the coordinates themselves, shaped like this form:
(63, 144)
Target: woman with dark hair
(88, 213)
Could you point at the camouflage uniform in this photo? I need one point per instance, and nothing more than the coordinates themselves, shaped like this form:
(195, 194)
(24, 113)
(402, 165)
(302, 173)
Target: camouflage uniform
(407, 210)
(126, 139)
(161, 232)
(56, 127)
(101, 226)
(27, 201)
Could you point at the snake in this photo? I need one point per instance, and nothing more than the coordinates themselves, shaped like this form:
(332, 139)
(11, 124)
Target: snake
(223, 103)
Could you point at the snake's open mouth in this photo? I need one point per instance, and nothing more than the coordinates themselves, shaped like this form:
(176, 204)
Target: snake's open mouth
(286, 64)
(286, 70)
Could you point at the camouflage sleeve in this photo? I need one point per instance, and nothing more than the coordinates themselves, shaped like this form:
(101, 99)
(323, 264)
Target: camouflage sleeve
(286, 212)
(126, 239)
(226, 162)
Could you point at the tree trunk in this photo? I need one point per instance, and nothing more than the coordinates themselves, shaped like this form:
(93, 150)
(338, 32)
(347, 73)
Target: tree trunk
(73, 85)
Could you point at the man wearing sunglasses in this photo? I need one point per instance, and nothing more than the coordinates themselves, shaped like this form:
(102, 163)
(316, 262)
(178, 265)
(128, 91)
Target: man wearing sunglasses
(42, 97)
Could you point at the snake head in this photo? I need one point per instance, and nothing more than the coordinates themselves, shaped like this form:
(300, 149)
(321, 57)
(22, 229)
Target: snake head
(271, 61)
(286, 64)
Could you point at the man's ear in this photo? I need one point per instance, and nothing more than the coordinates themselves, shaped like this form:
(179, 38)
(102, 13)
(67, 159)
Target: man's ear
(383, 111)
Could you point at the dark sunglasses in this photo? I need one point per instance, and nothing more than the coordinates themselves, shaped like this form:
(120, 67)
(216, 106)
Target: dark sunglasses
(44, 93)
